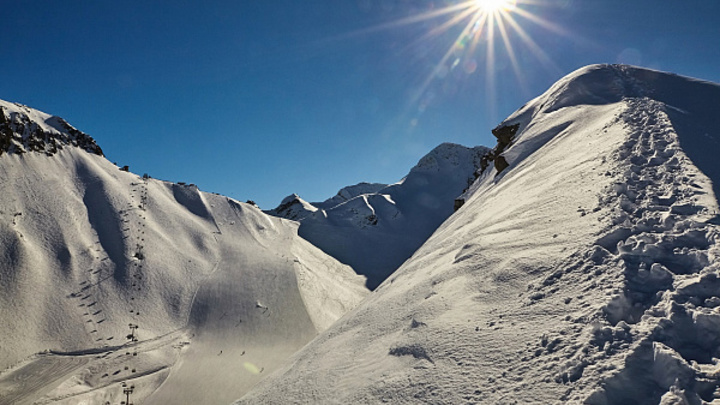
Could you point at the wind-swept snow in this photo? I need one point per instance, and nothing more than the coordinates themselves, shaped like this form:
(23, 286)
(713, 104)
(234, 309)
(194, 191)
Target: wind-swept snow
(107, 277)
(376, 227)
(585, 272)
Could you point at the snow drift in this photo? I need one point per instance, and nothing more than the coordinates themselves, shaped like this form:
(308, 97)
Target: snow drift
(107, 277)
(376, 227)
(584, 272)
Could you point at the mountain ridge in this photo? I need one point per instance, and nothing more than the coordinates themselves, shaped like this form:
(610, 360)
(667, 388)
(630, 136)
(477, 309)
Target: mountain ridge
(375, 227)
(582, 267)
(108, 277)
(584, 271)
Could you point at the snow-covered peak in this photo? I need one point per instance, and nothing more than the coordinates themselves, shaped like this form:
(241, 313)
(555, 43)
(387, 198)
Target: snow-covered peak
(606, 84)
(448, 156)
(24, 129)
(293, 207)
(589, 85)
(690, 103)
(375, 227)
(593, 85)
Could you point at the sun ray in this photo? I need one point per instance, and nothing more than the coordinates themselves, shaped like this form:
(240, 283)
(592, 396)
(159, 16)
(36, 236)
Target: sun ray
(479, 26)
(490, 67)
(488, 24)
(429, 15)
(541, 22)
(445, 26)
(441, 63)
(534, 47)
(493, 6)
(554, 27)
(511, 53)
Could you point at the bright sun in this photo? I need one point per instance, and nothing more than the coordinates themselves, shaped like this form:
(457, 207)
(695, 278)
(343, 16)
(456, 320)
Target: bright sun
(496, 5)
(484, 25)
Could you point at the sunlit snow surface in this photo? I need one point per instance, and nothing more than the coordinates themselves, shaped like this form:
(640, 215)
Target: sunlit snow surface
(221, 293)
(586, 272)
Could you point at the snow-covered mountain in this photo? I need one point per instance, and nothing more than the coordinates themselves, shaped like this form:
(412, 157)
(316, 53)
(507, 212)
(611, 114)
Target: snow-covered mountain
(585, 271)
(376, 227)
(108, 277)
(23, 129)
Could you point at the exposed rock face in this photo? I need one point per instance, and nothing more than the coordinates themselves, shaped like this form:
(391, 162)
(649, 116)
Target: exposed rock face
(293, 207)
(504, 135)
(459, 202)
(501, 164)
(23, 129)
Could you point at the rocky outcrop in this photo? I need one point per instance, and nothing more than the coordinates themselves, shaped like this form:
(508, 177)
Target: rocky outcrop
(505, 135)
(23, 129)
(459, 202)
(293, 207)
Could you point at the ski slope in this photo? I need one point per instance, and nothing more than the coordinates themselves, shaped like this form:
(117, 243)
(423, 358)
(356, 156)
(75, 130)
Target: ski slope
(107, 277)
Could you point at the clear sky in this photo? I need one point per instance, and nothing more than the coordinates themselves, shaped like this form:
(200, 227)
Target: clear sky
(258, 99)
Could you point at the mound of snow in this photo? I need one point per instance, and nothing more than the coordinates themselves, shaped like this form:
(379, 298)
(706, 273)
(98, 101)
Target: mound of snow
(584, 272)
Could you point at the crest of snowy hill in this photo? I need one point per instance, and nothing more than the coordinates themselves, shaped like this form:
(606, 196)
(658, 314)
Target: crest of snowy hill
(23, 129)
(375, 227)
(585, 269)
(107, 277)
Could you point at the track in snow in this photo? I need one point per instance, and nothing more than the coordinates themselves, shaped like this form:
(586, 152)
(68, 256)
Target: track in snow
(33, 380)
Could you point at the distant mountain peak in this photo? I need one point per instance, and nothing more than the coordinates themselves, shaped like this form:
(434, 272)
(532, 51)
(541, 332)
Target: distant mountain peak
(294, 208)
(374, 227)
(23, 129)
(448, 154)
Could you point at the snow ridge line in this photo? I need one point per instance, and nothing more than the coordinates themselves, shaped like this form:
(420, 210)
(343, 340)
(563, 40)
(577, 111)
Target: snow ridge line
(648, 326)
(670, 289)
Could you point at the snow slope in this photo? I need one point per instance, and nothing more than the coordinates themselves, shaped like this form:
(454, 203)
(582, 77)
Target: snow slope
(220, 292)
(376, 227)
(586, 272)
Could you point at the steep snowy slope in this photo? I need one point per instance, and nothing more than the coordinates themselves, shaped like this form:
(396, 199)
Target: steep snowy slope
(585, 272)
(107, 277)
(375, 227)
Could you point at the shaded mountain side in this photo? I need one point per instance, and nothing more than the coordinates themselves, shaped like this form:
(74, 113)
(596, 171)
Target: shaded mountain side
(585, 272)
(374, 227)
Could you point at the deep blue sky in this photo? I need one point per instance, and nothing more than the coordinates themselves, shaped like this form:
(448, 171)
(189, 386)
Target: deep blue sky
(257, 99)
